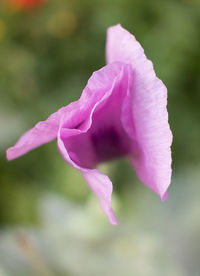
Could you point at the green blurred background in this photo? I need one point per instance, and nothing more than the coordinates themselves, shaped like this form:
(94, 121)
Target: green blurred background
(50, 221)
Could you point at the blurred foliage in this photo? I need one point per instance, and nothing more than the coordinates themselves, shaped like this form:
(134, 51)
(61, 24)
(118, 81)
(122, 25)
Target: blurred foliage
(46, 57)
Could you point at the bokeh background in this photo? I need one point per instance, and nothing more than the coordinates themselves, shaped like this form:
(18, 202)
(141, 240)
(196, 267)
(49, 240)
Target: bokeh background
(51, 224)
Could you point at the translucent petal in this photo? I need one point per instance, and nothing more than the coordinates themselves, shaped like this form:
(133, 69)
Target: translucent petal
(151, 156)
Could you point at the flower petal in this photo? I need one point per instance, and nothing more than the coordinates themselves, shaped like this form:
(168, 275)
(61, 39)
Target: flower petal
(46, 131)
(72, 140)
(101, 186)
(99, 183)
(42, 133)
(152, 155)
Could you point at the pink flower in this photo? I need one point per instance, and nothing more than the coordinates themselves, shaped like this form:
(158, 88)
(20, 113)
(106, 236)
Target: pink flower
(121, 113)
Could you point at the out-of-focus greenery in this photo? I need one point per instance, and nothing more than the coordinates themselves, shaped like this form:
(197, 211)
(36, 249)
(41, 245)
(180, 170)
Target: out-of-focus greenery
(46, 57)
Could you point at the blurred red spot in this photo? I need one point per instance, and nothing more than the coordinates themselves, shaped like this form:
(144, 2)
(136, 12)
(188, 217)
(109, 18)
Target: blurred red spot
(27, 5)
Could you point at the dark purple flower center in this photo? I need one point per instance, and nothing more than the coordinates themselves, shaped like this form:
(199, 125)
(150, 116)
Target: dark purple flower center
(101, 143)
(106, 138)
(107, 144)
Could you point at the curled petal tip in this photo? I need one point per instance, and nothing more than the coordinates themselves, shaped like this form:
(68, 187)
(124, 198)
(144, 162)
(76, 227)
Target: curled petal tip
(164, 197)
(115, 223)
(9, 154)
(112, 218)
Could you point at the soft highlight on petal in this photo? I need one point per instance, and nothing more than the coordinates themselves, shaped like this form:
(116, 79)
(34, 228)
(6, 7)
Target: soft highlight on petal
(151, 157)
